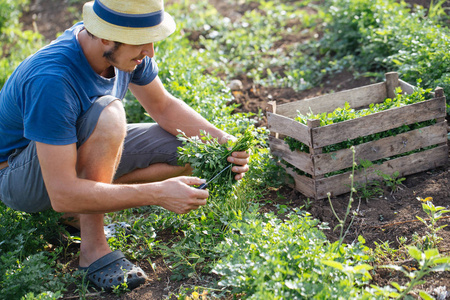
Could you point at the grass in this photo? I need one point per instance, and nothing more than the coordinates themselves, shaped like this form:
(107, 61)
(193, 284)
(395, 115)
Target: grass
(253, 255)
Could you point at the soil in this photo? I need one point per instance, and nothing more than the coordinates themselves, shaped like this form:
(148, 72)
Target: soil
(379, 220)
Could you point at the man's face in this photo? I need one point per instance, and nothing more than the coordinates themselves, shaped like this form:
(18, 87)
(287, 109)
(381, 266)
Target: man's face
(128, 57)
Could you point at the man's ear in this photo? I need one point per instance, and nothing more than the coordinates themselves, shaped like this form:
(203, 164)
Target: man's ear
(107, 42)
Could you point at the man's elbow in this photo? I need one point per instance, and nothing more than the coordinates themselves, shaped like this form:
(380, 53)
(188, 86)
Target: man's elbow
(60, 207)
(60, 202)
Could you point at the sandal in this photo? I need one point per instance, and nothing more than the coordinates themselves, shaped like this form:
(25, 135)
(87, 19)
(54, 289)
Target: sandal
(114, 269)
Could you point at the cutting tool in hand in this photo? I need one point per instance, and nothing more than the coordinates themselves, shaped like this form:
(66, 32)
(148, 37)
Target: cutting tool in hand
(203, 185)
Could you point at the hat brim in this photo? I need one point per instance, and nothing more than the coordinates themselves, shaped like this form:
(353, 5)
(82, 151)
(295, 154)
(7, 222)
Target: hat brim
(126, 35)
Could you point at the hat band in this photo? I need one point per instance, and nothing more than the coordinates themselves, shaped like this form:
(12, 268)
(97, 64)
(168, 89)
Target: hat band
(128, 20)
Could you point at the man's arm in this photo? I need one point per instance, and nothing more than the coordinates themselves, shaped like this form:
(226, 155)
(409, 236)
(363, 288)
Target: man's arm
(172, 114)
(69, 193)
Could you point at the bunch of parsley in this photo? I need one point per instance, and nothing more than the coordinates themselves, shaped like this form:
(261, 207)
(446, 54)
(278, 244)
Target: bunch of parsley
(208, 157)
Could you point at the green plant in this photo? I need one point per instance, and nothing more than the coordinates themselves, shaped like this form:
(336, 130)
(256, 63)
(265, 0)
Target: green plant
(261, 256)
(307, 203)
(383, 252)
(16, 43)
(435, 213)
(122, 288)
(196, 293)
(82, 283)
(428, 261)
(369, 188)
(437, 10)
(25, 264)
(360, 35)
(342, 222)
(393, 182)
(33, 274)
(184, 266)
(267, 258)
(43, 296)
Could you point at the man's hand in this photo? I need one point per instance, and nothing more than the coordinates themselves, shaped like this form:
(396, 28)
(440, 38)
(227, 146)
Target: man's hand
(178, 196)
(240, 159)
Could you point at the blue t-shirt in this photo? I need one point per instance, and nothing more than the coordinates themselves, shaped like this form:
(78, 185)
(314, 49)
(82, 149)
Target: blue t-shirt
(51, 89)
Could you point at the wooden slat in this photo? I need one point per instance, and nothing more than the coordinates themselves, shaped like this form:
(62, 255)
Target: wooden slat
(303, 184)
(411, 164)
(357, 97)
(378, 122)
(300, 160)
(387, 147)
(289, 127)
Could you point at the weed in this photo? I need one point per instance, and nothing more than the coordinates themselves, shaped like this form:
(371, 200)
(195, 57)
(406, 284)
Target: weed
(307, 203)
(34, 274)
(437, 10)
(197, 296)
(342, 222)
(43, 296)
(369, 188)
(428, 261)
(435, 213)
(383, 252)
(393, 182)
(121, 288)
(82, 284)
(18, 43)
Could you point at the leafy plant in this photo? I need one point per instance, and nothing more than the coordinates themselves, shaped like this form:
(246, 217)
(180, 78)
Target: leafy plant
(384, 252)
(428, 261)
(43, 296)
(121, 289)
(360, 35)
(267, 258)
(435, 213)
(393, 182)
(16, 43)
(369, 188)
(342, 222)
(33, 274)
(436, 9)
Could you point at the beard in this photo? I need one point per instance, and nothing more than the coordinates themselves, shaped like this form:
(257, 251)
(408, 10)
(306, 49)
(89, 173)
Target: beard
(110, 56)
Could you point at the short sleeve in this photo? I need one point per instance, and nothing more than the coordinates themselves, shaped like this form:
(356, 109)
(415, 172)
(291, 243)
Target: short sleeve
(50, 111)
(145, 72)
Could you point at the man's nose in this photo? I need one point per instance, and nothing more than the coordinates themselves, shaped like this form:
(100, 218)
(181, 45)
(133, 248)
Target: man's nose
(148, 50)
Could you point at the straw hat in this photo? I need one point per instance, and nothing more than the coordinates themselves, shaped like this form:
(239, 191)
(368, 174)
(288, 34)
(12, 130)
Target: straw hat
(133, 22)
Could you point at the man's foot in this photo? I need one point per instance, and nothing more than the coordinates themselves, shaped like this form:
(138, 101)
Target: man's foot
(114, 269)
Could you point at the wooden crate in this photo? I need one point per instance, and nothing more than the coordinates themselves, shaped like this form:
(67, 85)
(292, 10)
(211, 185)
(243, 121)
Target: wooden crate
(281, 123)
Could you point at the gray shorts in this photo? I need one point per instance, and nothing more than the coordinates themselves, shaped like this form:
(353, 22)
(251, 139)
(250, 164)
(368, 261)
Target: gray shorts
(22, 186)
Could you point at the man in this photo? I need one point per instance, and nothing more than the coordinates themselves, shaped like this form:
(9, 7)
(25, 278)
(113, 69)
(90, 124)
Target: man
(65, 143)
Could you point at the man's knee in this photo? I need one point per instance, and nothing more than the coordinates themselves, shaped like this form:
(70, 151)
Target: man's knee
(112, 122)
